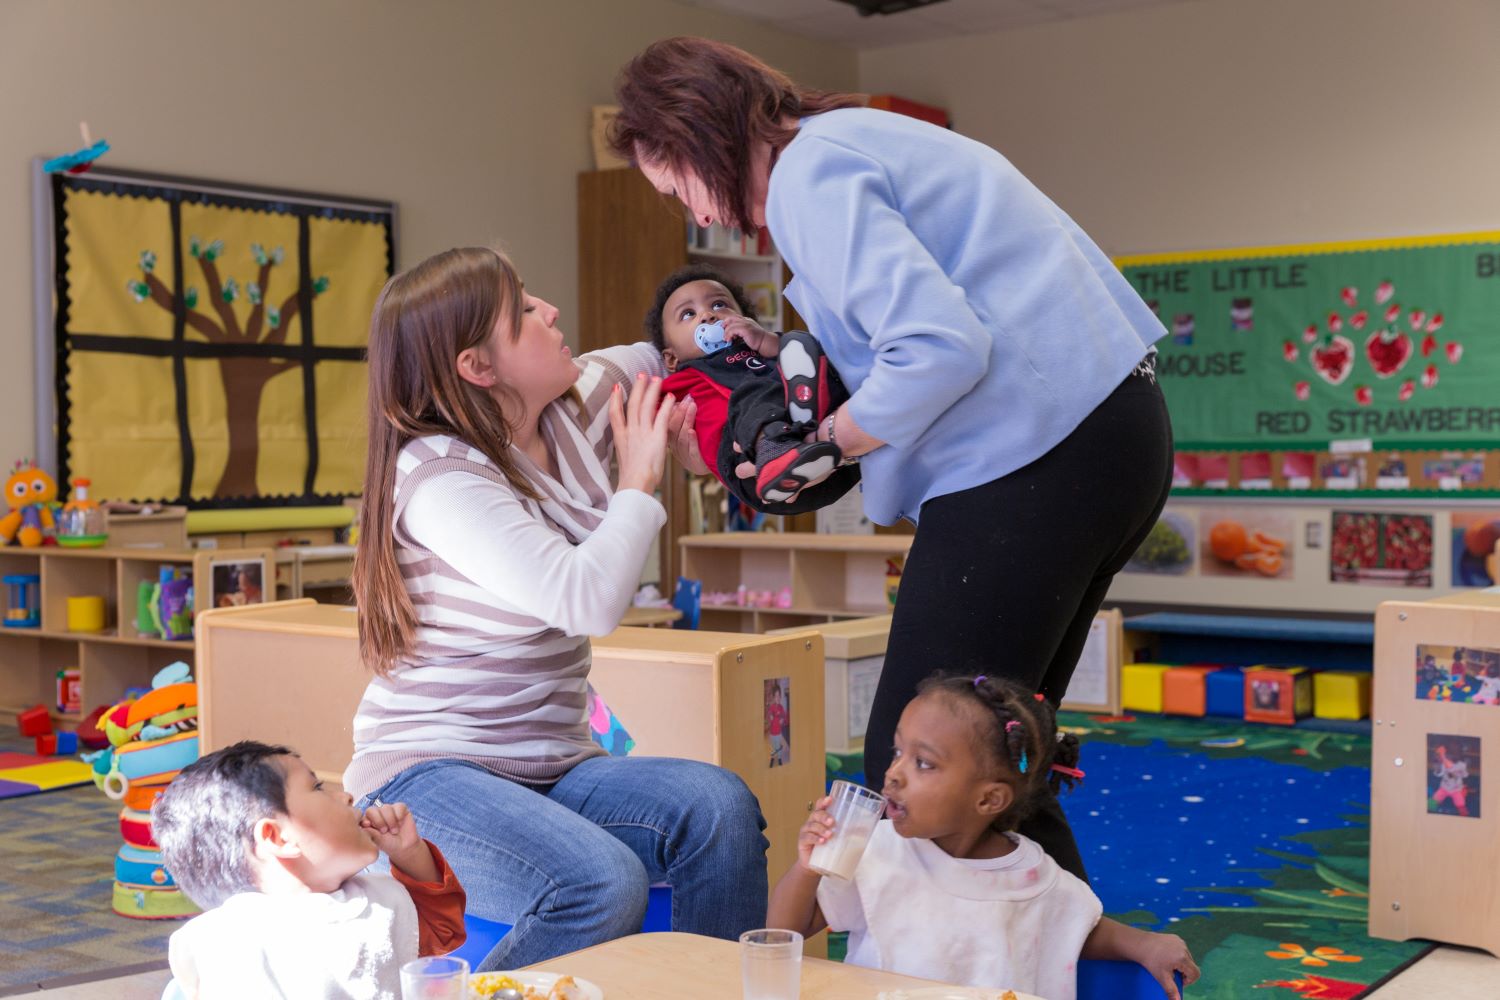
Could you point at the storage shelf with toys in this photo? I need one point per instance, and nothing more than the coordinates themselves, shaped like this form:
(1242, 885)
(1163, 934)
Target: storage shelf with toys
(89, 611)
(789, 578)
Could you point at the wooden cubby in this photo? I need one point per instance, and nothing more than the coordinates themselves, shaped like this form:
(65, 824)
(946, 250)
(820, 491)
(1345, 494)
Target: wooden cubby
(110, 661)
(832, 577)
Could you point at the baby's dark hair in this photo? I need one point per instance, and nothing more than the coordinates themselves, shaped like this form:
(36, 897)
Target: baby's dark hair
(680, 277)
(205, 820)
(1019, 733)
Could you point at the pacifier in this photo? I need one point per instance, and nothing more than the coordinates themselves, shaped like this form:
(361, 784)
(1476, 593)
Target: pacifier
(710, 338)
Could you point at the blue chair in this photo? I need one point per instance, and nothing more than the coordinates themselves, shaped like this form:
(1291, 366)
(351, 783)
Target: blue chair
(1100, 980)
(483, 934)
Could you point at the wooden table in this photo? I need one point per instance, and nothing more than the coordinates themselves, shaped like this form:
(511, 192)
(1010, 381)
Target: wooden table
(649, 617)
(671, 966)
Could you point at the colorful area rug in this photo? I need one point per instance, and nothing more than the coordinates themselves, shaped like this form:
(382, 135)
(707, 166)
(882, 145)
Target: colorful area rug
(1252, 842)
(57, 855)
(28, 774)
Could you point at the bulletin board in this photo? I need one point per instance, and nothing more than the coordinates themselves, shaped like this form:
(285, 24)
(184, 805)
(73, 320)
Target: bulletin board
(1333, 368)
(208, 339)
(1095, 684)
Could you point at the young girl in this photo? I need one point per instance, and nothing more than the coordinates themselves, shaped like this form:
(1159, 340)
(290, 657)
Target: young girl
(946, 888)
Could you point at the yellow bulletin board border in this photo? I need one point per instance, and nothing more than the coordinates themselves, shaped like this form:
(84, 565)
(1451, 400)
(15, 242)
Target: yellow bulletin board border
(279, 333)
(1306, 249)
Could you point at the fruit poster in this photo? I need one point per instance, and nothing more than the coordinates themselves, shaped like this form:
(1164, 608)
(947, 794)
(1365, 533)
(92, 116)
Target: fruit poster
(1291, 348)
(1475, 561)
(1248, 542)
(1393, 550)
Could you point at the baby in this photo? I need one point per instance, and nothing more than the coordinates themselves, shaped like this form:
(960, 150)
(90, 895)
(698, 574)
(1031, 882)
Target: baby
(277, 858)
(757, 397)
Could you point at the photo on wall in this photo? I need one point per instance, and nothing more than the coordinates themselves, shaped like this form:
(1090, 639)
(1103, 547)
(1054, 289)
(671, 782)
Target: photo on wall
(1453, 783)
(235, 584)
(778, 720)
(1246, 541)
(1475, 533)
(1458, 674)
(1391, 550)
(1168, 547)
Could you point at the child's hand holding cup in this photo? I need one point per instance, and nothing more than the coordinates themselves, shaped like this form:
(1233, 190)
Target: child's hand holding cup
(835, 836)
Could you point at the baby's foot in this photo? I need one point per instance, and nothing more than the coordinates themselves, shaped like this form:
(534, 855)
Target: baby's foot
(780, 478)
(804, 372)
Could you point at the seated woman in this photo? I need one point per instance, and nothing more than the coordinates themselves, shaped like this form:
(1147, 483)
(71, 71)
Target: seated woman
(491, 546)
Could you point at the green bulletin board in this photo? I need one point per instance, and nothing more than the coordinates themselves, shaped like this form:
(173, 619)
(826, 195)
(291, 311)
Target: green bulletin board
(1394, 342)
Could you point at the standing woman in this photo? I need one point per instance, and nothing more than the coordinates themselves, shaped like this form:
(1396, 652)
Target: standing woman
(1003, 396)
(491, 546)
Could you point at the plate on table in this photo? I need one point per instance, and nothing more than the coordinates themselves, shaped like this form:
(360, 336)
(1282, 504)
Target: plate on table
(482, 985)
(953, 993)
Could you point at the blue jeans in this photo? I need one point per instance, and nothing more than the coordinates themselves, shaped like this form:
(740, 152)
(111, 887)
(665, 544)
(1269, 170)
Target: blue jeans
(569, 867)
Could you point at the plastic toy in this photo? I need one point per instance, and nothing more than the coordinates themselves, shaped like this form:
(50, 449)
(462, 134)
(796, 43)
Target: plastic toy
(69, 690)
(31, 494)
(81, 523)
(710, 338)
(34, 721)
(79, 160)
(24, 610)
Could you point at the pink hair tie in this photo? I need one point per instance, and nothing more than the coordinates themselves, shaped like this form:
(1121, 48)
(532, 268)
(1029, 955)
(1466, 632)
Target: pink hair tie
(1012, 724)
(1072, 772)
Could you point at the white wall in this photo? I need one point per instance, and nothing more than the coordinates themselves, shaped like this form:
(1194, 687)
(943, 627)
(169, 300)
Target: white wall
(472, 115)
(1226, 123)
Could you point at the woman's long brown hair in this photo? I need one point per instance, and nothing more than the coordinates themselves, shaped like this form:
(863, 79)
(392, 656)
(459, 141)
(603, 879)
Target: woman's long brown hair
(702, 105)
(424, 318)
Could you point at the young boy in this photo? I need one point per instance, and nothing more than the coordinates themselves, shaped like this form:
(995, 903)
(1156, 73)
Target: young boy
(277, 859)
(759, 397)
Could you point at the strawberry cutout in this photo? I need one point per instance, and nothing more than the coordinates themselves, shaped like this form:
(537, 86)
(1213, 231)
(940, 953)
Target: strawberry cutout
(1335, 322)
(1393, 312)
(1302, 389)
(1289, 350)
(1407, 388)
(1436, 323)
(1363, 396)
(1310, 334)
(1359, 319)
(1333, 359)
(1383, 292)
(1418, 317)
(1429, 344)
(1455, 351)
(1387, 350)
(1350, 295)
(1430, 377)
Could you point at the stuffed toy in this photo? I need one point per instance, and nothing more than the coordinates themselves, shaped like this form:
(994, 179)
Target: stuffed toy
(31, 495)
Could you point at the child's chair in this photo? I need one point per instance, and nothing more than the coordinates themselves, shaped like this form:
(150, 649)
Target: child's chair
(483, 935)
(1100, 980)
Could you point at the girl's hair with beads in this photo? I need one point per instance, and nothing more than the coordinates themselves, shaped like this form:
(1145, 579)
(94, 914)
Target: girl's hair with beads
(1019, 732)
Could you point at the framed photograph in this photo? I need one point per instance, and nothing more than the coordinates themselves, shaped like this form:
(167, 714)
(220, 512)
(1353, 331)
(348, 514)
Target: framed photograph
(778, 720)
(1453, 775)
(1095, 684)
(234, 578)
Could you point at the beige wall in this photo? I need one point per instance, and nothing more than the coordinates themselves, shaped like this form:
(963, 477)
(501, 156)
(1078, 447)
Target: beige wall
(472, 115)
(1235, 122)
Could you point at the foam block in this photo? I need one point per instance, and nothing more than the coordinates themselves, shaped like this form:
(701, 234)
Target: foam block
(1225, 693)
(1184, 690)
(1140, 686)
(1279, 695)
(34, 721)
(1339, 694)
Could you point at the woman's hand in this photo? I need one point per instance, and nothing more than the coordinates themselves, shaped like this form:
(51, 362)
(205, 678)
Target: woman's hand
(814, 832)
(755, 336)
(682, 438)
(640, 430)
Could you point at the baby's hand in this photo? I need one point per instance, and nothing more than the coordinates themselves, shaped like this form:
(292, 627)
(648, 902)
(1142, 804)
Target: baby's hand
(814, 832)
(1164, 954)
(394, 831)
(756, 337)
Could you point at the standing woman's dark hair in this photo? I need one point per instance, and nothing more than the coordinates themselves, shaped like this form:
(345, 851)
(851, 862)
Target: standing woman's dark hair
(423, 319)
(698, 103)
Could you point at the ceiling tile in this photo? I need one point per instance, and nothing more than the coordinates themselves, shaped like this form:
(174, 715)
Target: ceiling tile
(848, 28)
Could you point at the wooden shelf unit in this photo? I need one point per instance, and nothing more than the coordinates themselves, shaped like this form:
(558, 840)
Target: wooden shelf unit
(832, 577)
(109, 661)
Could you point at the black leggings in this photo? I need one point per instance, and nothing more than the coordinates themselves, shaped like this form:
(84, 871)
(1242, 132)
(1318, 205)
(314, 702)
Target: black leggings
(1005, 578)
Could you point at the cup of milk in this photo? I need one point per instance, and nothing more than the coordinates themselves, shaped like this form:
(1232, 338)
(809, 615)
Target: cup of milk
(855, 811)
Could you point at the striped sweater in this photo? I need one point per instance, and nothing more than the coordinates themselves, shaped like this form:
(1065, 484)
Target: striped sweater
(507, 590)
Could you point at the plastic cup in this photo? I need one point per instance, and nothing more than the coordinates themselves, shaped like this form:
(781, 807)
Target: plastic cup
(855, 811)
(437, 977)
(771, 964)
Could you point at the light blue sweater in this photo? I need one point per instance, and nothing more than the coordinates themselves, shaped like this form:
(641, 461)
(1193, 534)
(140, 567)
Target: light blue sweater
(973, 322)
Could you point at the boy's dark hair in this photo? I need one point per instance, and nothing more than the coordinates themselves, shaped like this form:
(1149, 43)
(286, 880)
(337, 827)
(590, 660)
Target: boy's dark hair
(680, 277)
(1017, 723)
(205, 820)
